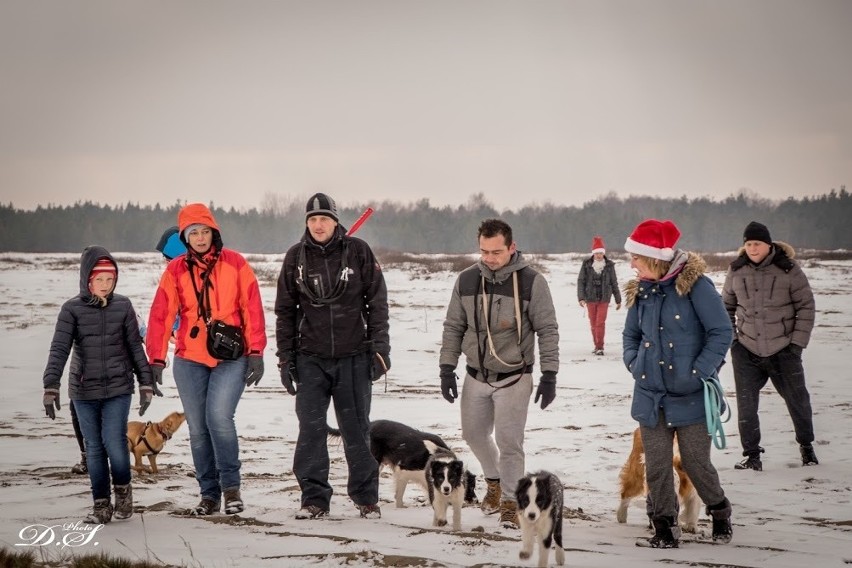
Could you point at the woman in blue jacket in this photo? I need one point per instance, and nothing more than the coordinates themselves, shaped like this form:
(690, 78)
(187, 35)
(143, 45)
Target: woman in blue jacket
(677, 332)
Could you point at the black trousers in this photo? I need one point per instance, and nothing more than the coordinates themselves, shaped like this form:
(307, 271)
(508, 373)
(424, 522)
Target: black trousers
(785, 371)
(347, 382)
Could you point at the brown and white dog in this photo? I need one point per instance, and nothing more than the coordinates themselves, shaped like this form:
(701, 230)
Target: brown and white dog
(148, 438)
(633, 485)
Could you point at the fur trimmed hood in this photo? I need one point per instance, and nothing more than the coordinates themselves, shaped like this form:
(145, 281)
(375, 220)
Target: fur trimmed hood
(693, 268)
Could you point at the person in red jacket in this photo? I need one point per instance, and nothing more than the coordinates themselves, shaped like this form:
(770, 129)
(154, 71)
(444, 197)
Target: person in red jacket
(209, 287)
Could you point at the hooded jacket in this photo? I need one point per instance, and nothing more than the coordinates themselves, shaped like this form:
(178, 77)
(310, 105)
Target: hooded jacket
(771, 304)
(464, 326)
(234, 298)
(586, 289)
(102, 340)
(676, 333)
(354, 322)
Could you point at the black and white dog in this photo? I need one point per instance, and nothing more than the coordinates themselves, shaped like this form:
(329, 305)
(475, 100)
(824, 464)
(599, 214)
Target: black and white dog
(406, 450)
(446, 479)
(540, 497)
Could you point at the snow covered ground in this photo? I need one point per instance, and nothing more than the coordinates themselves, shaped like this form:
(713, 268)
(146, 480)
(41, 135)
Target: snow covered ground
(785, 516)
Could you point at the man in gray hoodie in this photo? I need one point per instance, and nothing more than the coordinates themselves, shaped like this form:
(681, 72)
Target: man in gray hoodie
(497, 306)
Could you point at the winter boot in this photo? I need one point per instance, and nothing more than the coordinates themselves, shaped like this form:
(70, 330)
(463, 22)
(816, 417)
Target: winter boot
(205, 507)
(493, 493)
(808, 455)
(721, 514)
(752, 461)
(666, 534)
(233, 501)
(509, 515)
(370, 511)
(311, 512)
(101, 512)
(123, 501)
(80, 468)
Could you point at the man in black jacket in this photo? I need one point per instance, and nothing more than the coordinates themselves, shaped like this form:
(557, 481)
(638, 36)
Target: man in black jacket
(332, 335)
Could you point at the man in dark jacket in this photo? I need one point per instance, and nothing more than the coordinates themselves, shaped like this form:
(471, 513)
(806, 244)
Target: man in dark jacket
(771, 305)
(332, 335)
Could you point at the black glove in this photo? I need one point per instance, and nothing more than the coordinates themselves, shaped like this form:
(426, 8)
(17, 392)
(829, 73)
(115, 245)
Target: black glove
(289, 377)
(449, 383)
(145, 395)
(795, 350)
(50, 398)
(254, 370)
(381, 365)
(546, 389)
(157, 372)
(157, 391)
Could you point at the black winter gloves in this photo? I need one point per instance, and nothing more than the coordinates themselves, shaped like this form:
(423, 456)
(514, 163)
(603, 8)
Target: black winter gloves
(49, 400)
(546, 389)
(254, 370)
(145, 396)
(157, 372)
(449, 383)
(287, 370)
(381, 365)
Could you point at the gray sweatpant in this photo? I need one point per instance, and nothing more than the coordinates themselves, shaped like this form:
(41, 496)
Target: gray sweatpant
(694, 443)
(493, 422)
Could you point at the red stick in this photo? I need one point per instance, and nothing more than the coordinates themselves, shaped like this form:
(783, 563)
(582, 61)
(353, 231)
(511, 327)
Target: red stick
(357, 224)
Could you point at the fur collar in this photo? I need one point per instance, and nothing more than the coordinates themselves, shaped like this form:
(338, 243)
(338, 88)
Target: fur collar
(693, 269)
(781, 255)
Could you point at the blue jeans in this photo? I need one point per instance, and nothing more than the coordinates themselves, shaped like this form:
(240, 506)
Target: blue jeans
(209, 396)
(104, 426)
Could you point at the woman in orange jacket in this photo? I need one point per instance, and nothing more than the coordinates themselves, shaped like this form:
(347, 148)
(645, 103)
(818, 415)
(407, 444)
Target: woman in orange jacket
(219, 347)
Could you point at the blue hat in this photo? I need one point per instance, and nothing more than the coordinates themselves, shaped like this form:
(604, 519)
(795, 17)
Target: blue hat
(170, 244)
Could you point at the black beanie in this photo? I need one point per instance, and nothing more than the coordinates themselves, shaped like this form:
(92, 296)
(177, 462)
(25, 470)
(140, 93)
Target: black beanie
(755, 231)
(321, 204)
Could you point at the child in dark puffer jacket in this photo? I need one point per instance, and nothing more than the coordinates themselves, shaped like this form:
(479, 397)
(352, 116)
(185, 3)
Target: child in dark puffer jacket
(102, 329)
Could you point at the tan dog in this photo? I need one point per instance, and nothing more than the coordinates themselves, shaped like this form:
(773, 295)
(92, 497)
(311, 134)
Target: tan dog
(148, 439)
(633, 485)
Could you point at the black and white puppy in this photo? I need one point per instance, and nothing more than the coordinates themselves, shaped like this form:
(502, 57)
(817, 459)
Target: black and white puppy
(406, 450)
(540, 497)
(446, 481)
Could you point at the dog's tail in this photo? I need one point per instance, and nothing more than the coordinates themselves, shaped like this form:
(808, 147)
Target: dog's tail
(333, 432)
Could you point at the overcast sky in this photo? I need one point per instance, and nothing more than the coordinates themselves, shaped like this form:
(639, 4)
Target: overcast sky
(526, 101)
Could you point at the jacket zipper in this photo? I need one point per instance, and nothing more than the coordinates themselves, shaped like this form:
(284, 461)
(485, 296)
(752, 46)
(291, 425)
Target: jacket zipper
(104, 373)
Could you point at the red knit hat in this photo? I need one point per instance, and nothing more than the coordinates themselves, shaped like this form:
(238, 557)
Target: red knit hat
(653, 238)
(102, 265)
(598, 244)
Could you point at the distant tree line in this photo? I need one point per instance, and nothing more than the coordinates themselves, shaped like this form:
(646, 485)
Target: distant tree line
(820, 222)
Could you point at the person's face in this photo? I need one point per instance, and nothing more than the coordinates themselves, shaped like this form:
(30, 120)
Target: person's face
(756, 250)
(494, 252)
(598, 256)
(101, 285)
(321, 228)
(201, 239)
(643, 271)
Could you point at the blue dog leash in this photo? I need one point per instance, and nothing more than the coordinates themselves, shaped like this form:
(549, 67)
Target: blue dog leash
(716, 410)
